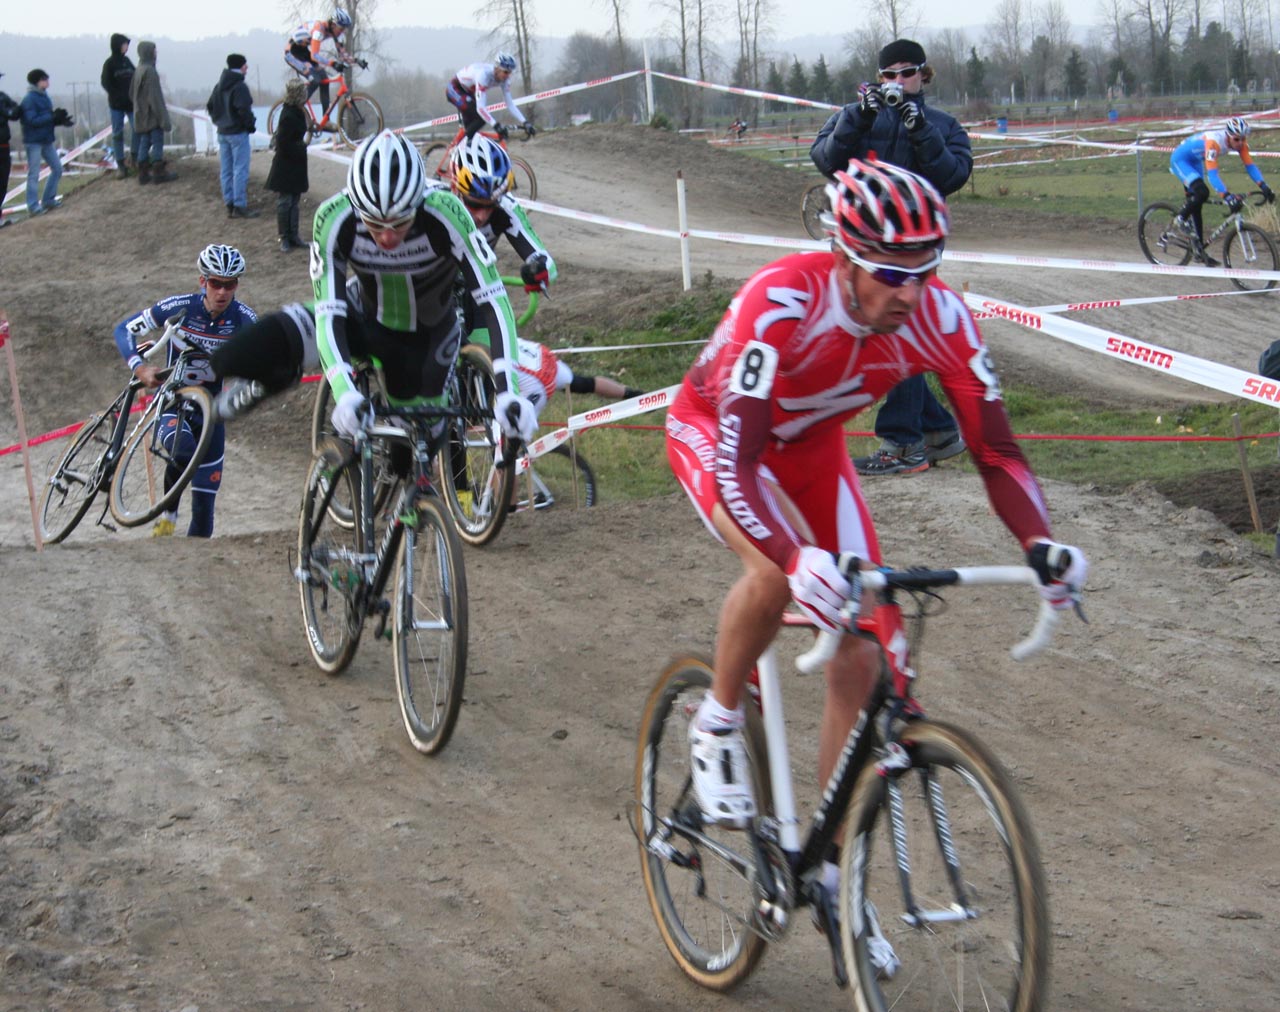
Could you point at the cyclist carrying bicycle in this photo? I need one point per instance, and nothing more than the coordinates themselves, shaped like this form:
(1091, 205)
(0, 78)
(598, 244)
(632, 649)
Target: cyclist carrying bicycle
(1197, 157)
(468, 92)
(755, 438)
(212, 317)
(303, 51)
(384, 260)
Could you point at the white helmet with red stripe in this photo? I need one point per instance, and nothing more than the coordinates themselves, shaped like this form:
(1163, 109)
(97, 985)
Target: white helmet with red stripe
(880, 207)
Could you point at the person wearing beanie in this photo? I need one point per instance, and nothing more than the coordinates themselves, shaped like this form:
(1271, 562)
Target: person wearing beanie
(150, 117)
(915, 430)
(230, 107)
(39, 117)
(117, 75)
(9, 109)
(288, 175)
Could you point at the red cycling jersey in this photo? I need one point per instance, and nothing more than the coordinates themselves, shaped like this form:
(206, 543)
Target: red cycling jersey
(787, 365)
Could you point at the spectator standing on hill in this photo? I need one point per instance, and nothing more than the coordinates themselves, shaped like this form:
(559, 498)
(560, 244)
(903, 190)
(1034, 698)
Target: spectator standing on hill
(9, 109)
(231, 109)
(150, 117)
(891, 122)
(117, 75)
(39, 117)
(288, 175)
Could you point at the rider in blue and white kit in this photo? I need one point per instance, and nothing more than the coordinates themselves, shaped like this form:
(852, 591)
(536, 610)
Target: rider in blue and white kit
(212, 316)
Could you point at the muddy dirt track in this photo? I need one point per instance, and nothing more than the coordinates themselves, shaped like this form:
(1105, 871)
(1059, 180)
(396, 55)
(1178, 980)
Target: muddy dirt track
(191, 815)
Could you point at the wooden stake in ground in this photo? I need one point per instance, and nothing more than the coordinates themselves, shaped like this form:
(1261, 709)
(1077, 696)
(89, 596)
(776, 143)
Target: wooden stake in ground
(22, 427)
(1248, 478)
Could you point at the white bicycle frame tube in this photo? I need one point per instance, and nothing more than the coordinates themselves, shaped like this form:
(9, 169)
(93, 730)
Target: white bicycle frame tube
(775, 736)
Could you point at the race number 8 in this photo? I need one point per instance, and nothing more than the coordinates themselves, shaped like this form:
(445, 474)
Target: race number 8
(753, 372)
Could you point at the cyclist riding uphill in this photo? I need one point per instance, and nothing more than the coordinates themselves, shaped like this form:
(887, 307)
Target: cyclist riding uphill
(468, 91)
(212, 316)
(480, 176)
(1197, 156)
(755, 437)
(385, 257)
(303, 52)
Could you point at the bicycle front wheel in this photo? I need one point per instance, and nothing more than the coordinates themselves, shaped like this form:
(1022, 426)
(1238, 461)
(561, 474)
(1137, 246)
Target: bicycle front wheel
(161, 455)
(1249, 247)
(697, 876)
(430, 631)
(360, 117)
(330, 558)
(526, 183)
(813, 205)
(1162, 241)
(562, 477)
(956, 887)
(475, 486)
(75, 479)
(435, 158)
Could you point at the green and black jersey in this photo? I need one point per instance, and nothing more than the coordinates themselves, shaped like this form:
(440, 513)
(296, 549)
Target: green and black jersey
(509, 219)
(409, 289)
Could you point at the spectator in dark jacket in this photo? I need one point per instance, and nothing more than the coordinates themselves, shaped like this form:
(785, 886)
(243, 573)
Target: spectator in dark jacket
(117, 75)
(9, 109)
(39, 117)
(231, 109)
(914, 429)
(150, 117)
(288, 175)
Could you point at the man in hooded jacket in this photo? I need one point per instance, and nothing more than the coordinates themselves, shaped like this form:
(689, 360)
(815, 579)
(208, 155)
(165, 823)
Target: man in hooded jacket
(117, 75)
(150, 117)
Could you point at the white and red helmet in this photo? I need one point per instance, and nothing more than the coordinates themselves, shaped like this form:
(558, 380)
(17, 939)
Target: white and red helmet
(883, 208)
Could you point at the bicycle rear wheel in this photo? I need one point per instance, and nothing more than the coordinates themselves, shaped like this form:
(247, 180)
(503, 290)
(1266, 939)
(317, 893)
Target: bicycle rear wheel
(329, 572)
(1251, 248)
(813, 204)
(360, 117)
(696, 876)
(562, 477)
(475, 487)
(430, 631)
(1162, 241)
(433, 156)
(976, 883)
(75, 478)
(525, 186)
(161, 455)
(273, 117)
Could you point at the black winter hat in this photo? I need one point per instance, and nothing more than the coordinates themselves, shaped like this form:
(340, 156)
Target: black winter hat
(236, 62)
(36, 76)
(901, 51)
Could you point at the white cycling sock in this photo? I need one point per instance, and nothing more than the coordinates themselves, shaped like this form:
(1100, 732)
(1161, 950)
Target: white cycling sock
(714, 717)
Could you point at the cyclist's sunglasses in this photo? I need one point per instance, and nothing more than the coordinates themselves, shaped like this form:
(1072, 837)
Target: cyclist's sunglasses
(904, 73)
(897, 277)
(480, 205)
(376, 225)
(226, 284)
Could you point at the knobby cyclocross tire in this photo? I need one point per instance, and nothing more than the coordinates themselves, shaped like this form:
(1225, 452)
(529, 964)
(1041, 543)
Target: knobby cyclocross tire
(429, 635)
(1161, 240)
(359, 117)
(329, 573)
(273, 118)
(75, 479)
(433, 157)
(152, 471)
(963, 824)
(714, 948)
(561, 478)
(525, 183)
(476, 489)
(813, 204)
(1252, 249)
(322, 429)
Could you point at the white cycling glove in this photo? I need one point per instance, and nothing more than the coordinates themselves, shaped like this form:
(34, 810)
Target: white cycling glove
(516, 416)
(352, 414)
(818, 586)
(1062, 570)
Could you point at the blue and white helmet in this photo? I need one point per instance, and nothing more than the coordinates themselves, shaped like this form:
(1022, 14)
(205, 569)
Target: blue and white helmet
(1238, 126)
(220, 261)
(505, 61)
(341, 18)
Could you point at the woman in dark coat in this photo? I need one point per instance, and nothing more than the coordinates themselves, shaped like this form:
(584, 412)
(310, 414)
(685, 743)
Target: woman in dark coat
(288, 175)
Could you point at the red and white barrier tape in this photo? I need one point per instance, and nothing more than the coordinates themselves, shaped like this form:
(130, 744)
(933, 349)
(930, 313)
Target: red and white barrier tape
(748, 92)
(1075, 307)
(643, 404)
(1235, 382)
(1112, 266)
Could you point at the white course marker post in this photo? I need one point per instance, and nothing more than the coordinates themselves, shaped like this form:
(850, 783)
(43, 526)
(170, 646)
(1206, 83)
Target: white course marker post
(682, 212)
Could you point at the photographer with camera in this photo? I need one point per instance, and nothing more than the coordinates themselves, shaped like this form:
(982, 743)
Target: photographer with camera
(891, 120)
(39, 117)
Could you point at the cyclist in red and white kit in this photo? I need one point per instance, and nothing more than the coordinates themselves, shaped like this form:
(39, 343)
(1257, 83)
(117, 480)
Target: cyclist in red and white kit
(468, 92)
(755, 437)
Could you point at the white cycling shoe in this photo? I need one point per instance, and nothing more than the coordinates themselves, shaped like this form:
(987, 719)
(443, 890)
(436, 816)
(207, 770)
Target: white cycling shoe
(879, 949)
(722, 776)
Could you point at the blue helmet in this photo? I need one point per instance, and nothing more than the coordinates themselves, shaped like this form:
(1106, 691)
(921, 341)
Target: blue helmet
(341, 18)
(505, 61)
(481, 170)
(1238, 126)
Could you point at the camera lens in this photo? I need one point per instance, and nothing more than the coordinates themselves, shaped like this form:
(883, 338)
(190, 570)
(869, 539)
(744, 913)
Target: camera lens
(891, 94)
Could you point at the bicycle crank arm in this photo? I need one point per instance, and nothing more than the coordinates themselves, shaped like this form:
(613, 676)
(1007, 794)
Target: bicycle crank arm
(952, 915)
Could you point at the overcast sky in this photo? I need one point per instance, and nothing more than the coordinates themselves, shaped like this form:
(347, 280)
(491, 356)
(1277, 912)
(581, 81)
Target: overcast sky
(141, 18)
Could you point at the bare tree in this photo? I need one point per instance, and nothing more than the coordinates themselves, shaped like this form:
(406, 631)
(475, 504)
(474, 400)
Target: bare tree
(513, 25)
(892, 19)
(619, 10)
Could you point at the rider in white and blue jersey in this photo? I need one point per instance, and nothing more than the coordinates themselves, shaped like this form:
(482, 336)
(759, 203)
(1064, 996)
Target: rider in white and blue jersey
(212, 315)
